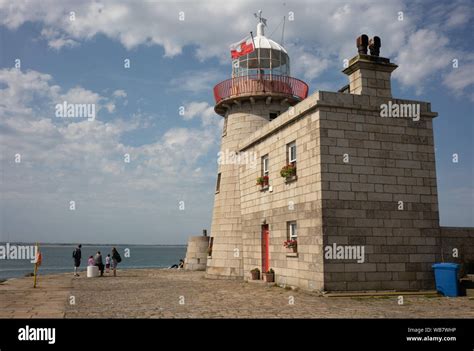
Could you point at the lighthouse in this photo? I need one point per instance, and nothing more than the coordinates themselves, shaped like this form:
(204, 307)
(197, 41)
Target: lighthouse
(259, 90)
(323, 192)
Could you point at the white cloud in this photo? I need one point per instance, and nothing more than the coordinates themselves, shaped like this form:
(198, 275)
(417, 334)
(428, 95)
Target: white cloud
(459, 16)
(120, 93)
(32, 91)
(424, 54)
(204, 111)
(307, 65)
(79, 95)
(209, 26)
(460, 77)
(57, 40)
(460, 80)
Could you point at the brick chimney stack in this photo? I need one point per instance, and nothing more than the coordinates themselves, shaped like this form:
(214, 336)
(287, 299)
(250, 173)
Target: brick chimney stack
(369, 74)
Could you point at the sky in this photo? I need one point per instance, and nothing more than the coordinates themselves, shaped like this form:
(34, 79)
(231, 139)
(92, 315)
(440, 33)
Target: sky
(77, 51)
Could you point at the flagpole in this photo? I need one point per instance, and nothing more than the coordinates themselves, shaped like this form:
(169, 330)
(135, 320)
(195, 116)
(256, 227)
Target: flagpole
(255, 48)
(253, 41)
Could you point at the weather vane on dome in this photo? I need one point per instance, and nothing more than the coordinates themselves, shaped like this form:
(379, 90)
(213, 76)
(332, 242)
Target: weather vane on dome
(260, 18)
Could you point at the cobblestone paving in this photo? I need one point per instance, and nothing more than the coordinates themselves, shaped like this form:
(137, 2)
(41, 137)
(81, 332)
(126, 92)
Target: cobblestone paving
(182, 294)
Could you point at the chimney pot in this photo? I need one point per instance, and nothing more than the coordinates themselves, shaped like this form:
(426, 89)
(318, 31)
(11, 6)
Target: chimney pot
(374, 46)
(362, 42)
(369, 74)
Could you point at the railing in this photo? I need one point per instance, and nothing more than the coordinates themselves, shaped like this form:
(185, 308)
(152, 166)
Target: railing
(260, 84)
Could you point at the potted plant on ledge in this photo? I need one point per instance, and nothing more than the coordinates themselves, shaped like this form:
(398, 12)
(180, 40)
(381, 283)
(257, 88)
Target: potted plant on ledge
(291, 245)
(289, 172)
(263, 182)
(255, 274)
(269, 276)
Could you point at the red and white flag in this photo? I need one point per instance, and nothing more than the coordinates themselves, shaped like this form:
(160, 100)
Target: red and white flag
(243, 47)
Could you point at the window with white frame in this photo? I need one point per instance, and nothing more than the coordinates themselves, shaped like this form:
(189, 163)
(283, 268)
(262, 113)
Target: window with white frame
(292, 230)
(292, 152)
(265, 166)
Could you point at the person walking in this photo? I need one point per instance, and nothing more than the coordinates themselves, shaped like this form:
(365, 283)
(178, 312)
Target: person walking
(116, 259)
(77, 255)
(99, 263)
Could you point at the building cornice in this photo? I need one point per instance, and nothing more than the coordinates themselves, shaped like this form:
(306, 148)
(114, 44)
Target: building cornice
(325, 99)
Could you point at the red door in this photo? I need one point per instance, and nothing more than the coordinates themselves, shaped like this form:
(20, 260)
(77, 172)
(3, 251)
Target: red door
(265, 248)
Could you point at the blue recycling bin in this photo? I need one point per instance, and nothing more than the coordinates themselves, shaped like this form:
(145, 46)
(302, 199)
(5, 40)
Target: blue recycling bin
(446, 278)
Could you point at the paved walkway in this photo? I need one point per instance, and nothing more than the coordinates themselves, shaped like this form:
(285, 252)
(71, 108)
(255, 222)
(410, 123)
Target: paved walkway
(181, 294)
(18, 299)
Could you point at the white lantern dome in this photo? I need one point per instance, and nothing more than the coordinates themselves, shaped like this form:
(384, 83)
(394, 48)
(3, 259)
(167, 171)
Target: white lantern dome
(268, 58)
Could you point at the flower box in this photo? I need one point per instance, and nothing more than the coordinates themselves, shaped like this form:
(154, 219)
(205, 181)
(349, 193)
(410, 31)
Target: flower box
(255, 274)
(263, 182)
(291, 179)
(269, 277)
(289, 172)
(291, 245)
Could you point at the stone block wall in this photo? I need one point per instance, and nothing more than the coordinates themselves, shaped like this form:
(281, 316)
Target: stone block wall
(458, 242)
(354, 203)
(298, 201)
(370, 75)
(196, 253)
(371, 166)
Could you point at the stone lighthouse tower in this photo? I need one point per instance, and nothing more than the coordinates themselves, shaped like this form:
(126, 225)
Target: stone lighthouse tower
(260, 89)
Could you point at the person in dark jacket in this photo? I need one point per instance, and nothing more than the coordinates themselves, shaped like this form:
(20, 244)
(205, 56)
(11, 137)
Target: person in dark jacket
(116, 259)
(99, 263)
(77, 255)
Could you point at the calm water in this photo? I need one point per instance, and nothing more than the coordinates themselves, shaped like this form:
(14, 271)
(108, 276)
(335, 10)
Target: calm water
(58, 258)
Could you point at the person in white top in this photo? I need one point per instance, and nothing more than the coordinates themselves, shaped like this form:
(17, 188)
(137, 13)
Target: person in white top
(107, 263)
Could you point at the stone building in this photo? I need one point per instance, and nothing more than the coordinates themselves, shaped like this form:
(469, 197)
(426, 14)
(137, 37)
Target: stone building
(347, 178)
(197, 252)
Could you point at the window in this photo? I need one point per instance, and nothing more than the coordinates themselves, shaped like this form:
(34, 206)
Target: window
(218, 184)
(263, 180)
(209, 248)
(224, 128)
(265, 166)
(292, 152)
(273, 115)
(292, 231)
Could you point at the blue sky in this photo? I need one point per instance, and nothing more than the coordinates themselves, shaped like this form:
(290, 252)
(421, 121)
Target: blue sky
(176, 63)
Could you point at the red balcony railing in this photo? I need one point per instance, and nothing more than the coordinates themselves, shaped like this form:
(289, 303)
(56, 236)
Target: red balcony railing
(260, 84)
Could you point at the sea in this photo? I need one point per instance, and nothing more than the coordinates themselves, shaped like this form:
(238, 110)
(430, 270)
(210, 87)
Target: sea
(57, 258)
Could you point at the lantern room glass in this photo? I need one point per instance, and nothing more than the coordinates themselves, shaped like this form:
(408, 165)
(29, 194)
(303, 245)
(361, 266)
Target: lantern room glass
(262, 61)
